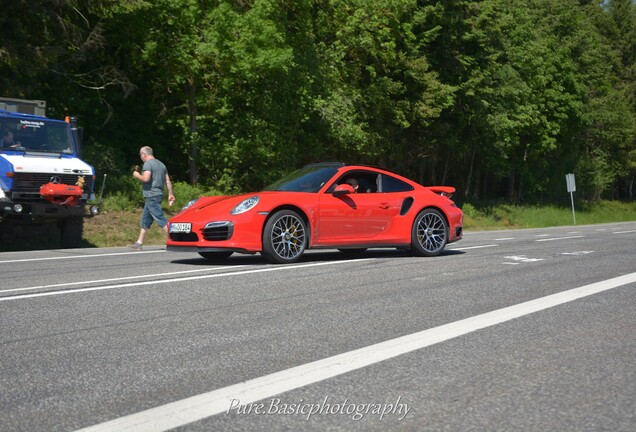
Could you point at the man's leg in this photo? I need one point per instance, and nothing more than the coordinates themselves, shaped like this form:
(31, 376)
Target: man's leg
(146, 222)
(142, 235)
(155, 210)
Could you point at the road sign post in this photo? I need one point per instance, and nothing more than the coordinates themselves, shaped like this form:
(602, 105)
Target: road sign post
(571, 185)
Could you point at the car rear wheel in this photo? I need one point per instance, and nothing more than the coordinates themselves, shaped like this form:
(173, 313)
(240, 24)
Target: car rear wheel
(429, 234)
(284, 237)
(216, 256)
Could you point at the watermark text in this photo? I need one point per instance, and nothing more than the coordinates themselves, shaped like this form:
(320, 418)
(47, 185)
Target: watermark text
(356, 411)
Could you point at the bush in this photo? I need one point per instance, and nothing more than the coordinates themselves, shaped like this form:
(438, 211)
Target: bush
(185, 192)
(119, 202)
(470, 210)
(124, 193)
(125, 184)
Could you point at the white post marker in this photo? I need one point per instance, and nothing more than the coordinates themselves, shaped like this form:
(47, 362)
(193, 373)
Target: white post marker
(571, 184)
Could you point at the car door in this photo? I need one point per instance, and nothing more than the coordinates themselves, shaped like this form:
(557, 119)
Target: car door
(357, 218)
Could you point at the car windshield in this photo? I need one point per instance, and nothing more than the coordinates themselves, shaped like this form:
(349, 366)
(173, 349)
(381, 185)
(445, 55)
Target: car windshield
(307, 179)
(36, 135)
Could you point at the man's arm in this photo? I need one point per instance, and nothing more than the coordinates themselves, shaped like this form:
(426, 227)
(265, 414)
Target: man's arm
(142, 177)
(171, 197)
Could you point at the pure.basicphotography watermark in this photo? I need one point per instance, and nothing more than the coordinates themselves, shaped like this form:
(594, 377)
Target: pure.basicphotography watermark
(356, 411)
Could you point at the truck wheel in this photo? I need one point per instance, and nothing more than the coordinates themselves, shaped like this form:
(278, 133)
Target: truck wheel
(71, 230)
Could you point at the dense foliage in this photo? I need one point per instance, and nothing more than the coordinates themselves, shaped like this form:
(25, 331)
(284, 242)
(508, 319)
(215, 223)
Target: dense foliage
(500, 98)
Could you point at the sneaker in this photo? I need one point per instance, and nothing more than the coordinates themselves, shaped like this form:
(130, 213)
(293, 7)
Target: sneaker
(136, 246)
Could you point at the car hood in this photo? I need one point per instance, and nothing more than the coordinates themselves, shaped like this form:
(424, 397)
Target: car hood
(220, 206)
(210, 205)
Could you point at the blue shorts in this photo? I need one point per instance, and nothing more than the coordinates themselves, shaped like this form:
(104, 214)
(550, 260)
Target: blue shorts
(153, 212)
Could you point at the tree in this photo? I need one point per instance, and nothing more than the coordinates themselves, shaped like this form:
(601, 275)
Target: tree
(380, 92)
(51, 47)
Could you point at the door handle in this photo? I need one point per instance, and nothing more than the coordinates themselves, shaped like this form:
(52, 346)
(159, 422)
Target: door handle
(384, 206)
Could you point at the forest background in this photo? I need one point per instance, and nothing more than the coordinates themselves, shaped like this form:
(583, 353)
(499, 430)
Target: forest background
(499, 98)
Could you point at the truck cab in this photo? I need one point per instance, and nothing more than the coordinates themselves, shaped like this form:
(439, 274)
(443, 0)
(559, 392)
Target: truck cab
(42, 178)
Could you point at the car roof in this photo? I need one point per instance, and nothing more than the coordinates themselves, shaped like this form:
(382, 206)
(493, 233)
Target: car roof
(344, 164)
(325, 164)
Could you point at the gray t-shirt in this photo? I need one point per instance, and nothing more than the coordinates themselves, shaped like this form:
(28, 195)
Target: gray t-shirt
(157, 181)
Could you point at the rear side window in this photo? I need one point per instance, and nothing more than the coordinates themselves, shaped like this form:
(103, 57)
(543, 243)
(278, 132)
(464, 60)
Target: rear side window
(391, 184)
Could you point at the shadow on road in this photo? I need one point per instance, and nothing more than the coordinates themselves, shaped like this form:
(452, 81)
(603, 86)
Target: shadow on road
(14, 238)
(310, 256)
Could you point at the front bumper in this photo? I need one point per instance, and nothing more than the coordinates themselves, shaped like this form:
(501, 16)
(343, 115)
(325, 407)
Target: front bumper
(40, 212)
(207, 249)
(243, 233)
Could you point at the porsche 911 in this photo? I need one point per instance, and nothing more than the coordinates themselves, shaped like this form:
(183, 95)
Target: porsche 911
(351, 208)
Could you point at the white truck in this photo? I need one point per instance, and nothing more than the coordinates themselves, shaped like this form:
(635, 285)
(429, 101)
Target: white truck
(42, 178)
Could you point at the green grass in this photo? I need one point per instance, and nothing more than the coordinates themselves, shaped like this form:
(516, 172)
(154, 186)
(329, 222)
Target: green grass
(118, 225)
(507, 216)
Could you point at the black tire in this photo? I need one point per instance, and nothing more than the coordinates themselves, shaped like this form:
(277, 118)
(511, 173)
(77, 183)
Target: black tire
(429, 234)
(216, 256)
(71, 231)
(285, 237)
(355, 251)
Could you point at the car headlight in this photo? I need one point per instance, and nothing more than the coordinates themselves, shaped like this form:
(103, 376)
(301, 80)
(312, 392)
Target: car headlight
(245, 205)
(189, 204)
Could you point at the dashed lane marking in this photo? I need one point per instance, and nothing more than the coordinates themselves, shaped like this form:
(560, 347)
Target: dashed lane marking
(558, 238)
(474, 247)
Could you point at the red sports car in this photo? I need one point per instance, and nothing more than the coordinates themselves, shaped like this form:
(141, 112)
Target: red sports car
(326, 205)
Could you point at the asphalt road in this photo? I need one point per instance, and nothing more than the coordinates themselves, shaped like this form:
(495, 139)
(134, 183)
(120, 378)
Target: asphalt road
(507, 330)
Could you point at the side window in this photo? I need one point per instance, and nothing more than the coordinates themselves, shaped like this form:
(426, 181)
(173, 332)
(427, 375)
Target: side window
(368, 182)
(364, 181)
(391, 184)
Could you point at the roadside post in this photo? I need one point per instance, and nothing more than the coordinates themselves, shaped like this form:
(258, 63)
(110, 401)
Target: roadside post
(571, 185)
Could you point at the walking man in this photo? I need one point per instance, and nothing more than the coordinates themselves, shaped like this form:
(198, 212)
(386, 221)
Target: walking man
(153, 177)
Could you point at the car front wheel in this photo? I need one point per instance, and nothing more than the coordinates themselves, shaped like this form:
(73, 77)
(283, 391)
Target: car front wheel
(284, 237)
(429, 234)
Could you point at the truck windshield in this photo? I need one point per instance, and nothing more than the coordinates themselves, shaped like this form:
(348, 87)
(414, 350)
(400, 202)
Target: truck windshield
(35, 135)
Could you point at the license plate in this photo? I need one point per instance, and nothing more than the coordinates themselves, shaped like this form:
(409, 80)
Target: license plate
(180, 227)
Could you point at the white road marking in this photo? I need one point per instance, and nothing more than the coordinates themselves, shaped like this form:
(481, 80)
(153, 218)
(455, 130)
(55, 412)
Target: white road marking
(505, 238)
(144, 276)
(523, 258)
(80, 256)
(510, 263)
(558, 238)
(173, 280)
(473, 247)
(542, 235)
(624, 232)
(185, 411)
(577, 253)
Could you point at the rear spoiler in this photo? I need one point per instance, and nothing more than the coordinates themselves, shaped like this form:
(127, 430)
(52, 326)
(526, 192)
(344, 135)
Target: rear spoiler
(446, 191)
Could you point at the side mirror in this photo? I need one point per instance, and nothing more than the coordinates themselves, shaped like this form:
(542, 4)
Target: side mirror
(343, 189)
